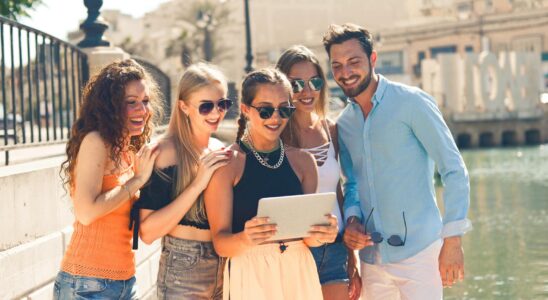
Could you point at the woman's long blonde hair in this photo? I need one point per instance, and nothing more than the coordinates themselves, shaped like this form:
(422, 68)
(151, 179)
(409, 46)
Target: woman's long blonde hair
(180, 132)
(290, 57)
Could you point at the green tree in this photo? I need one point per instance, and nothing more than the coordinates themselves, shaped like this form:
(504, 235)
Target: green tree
(14, 9)
(206, 19)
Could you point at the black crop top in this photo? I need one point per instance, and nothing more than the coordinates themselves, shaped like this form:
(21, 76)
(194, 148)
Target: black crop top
(257, 182)
(156, 194)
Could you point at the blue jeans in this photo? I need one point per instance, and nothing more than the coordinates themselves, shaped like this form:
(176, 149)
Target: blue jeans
(331, 261)
(189, 270)
(69, 286)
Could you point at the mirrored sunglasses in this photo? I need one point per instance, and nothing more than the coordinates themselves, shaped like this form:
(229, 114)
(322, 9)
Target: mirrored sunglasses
(314, 83)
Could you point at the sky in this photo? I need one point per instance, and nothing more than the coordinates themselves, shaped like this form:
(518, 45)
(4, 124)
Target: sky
(58, 17)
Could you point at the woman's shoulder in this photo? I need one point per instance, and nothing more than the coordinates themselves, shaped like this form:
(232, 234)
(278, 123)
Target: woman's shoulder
(299, 157)
(332, 126)
(94, 142)
(168, 154)
(238, 155)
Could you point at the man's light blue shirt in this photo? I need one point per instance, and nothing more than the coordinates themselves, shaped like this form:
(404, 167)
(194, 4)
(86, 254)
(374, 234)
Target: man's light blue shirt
(387, 162)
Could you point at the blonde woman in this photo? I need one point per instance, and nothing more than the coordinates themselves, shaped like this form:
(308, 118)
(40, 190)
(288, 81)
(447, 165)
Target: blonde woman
(171, 204)
(263, 167)
(311, 130)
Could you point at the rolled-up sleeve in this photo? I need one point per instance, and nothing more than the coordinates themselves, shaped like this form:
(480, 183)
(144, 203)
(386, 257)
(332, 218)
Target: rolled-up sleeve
(351, 204)
(431, 130)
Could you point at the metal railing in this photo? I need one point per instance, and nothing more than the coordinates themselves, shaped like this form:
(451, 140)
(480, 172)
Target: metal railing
(41, 78)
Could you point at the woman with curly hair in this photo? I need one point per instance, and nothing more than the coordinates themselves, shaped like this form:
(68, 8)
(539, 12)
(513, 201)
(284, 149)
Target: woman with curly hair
(171, 203)
(107, 163)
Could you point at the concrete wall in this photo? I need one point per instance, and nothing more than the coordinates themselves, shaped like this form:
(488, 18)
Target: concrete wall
(35, 227)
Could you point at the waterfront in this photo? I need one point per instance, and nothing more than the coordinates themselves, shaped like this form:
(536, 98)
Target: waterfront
(506, 254)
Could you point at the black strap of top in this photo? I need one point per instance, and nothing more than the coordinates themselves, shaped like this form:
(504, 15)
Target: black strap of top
(135, 223)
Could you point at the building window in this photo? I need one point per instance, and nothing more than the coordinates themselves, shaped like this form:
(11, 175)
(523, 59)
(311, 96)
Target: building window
(443, 49)
(527, 44)
(417, 68)
(390, 62)
(469, 49)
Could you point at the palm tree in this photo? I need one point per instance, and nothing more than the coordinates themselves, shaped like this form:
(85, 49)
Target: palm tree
(206, 19)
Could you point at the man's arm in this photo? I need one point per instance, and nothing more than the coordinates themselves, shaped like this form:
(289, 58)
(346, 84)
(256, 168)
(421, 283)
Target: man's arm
(430, 129)
(354, 233)
(351, 204)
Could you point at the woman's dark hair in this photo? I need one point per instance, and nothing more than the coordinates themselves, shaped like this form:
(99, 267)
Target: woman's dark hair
(251, 85)
(103, 109)
(338, 34)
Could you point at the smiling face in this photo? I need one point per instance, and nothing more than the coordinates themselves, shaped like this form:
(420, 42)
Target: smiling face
(136, 97)
(351, 67)
(305, 100)
(267, 131)
(204, 123)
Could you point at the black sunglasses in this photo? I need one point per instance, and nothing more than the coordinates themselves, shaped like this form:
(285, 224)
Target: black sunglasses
(315, 84)
(394, 240)
(266, 112)
(206, 107)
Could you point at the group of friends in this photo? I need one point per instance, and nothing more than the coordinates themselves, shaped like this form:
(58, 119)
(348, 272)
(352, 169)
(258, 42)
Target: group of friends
(200, 197)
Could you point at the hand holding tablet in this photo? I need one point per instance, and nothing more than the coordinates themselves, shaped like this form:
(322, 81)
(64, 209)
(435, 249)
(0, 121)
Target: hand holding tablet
(258, 230)
(298, 217)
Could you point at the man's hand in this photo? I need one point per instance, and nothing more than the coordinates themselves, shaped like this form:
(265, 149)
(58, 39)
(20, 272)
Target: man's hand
(451, 261)
(355, 237)
(355, 285)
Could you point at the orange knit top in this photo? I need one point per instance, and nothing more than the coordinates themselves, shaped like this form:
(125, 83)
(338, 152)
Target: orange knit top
(103, 248)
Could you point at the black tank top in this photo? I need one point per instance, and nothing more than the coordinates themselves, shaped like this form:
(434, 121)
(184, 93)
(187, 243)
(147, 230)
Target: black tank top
(258, 182)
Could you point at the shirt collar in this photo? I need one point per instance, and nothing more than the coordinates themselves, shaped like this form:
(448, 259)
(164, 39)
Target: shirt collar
(381, 88)
(379, 93)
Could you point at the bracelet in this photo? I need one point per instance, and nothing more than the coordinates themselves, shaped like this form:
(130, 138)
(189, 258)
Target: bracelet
(124, 186)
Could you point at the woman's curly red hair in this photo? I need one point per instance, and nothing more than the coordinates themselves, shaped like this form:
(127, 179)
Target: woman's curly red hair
(103, 110)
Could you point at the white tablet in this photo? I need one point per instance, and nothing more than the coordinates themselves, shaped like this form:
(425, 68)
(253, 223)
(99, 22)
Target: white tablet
(295, 214)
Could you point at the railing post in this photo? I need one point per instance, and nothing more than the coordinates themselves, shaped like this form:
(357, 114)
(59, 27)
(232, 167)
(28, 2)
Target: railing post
(94, 26)
(98, 50)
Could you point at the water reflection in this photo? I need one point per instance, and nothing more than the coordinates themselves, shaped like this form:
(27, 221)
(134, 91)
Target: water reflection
(507, 252)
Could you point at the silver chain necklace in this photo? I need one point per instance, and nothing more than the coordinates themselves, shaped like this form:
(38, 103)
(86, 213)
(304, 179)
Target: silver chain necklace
(259, 158)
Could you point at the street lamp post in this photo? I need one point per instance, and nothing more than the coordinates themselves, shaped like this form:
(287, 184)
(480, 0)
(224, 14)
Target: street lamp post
(249, 53)
(93, 26)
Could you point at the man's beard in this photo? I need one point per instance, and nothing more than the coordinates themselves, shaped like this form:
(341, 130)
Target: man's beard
(362, 86)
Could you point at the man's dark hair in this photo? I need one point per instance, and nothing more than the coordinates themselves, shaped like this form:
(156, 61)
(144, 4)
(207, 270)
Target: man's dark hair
(338, 34)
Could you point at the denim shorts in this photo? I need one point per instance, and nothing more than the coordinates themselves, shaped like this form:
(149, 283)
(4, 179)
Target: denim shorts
(69, 286)
(331, 261)
(189, 270)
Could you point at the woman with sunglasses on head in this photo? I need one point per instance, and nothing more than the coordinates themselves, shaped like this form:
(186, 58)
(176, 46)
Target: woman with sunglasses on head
(107, 162)
(171, 203)
(311, 130)
(263, 166)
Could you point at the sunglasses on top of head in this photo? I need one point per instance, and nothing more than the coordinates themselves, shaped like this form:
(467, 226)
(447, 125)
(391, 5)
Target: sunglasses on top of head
(207, 106)
(266, 112)
(314, 83)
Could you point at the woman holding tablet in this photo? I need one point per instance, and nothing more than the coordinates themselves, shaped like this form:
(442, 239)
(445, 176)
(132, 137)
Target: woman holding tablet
(310, 130)
(171, 203)
(263, 166)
